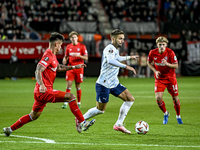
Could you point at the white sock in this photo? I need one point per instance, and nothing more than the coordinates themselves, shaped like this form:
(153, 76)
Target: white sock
(166, 113)
(92, 112)
(79, 103)
(178, 116)
(123, 112)
(66, 103)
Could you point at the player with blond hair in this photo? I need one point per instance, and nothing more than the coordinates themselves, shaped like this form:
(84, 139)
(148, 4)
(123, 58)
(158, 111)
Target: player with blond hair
(163, 62)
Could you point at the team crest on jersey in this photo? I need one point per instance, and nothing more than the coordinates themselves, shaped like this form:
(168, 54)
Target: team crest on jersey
(110, 51)
(165, 57)
(46, 58)
(78, 49)
(155, 58)
(70, 49)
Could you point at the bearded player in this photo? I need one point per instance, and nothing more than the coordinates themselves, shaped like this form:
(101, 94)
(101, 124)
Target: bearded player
(75, 54)
(163, 62)
(44, 93)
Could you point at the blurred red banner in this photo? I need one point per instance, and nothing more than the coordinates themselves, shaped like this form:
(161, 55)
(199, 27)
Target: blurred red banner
(27, 50)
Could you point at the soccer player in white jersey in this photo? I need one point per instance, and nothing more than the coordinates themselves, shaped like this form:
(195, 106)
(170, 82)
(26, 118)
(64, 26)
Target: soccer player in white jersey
(108, 82)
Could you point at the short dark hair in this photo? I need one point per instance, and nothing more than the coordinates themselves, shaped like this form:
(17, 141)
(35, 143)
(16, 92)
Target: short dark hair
(56, 36)
(116, 32)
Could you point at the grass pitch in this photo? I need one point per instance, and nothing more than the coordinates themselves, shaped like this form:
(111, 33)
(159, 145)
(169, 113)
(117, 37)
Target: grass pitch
(55, 128)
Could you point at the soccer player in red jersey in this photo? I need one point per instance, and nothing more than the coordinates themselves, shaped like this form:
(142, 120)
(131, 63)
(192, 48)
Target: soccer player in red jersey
(44, 93)
(163, 62)
(75, 54)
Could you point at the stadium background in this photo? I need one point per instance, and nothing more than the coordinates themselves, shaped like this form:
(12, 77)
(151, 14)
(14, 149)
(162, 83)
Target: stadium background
(25, 27)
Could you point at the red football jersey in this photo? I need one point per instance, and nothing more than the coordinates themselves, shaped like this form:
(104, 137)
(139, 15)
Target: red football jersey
(156, 57)
(75, 49)
(50, 62)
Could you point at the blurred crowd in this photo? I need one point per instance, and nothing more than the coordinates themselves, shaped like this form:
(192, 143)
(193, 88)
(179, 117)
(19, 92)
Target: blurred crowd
(181, 11)
(130, 10)
(17, 14)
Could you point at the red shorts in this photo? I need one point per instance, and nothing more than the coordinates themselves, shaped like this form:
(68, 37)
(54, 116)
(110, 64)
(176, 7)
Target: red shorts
(51, 96)
(75, 74)
(170, 84)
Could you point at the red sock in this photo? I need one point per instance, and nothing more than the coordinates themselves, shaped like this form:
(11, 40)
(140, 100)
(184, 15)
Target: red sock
(75, 110)
(19, 123)
(68, 90)
(78, 92)
(161, 105)
(177, 107)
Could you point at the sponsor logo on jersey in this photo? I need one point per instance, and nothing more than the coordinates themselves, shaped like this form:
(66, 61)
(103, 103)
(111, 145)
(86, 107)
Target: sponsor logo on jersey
(110, 51)
(46, 58)
(71, 54)
(54, 69)
(160, 64)
(43, 62)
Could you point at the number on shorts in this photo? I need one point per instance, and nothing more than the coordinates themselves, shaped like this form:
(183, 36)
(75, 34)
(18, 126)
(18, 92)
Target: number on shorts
(175, 87)
(81, 76)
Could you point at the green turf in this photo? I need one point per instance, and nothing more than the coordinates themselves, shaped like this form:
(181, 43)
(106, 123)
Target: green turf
(56, 124)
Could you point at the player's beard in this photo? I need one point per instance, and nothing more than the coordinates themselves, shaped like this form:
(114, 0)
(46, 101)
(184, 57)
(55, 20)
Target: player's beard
(118, 45)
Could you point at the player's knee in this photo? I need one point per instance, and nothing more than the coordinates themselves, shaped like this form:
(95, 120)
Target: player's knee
(69, 96)
(158, 98)
(131, 99)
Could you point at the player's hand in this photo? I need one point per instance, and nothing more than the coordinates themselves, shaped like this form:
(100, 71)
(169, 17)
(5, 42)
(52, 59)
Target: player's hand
(131, 69)
(157, 74)
(42, 88)
(64, 61)
(135, 57)
(164, 61)
(80, 66)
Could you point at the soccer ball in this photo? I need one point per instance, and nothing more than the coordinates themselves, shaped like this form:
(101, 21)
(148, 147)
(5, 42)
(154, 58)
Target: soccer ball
(141, 127)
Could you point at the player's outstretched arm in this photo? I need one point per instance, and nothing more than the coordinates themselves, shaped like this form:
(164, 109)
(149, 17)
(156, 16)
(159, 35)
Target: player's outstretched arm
(131, 69)
(62, 67)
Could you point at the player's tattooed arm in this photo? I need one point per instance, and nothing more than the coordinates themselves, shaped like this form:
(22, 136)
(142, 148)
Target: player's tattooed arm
(38, 74)
(62, 67)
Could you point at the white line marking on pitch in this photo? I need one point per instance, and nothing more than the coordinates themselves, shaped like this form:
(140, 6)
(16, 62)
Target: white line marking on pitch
(74, 143)
(36, 138)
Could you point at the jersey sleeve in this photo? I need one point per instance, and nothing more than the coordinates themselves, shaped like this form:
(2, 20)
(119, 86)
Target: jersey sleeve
(110, 53)
(84, 50)
(149, 57)
(173, 58)
(46, 60)
(67, 51)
